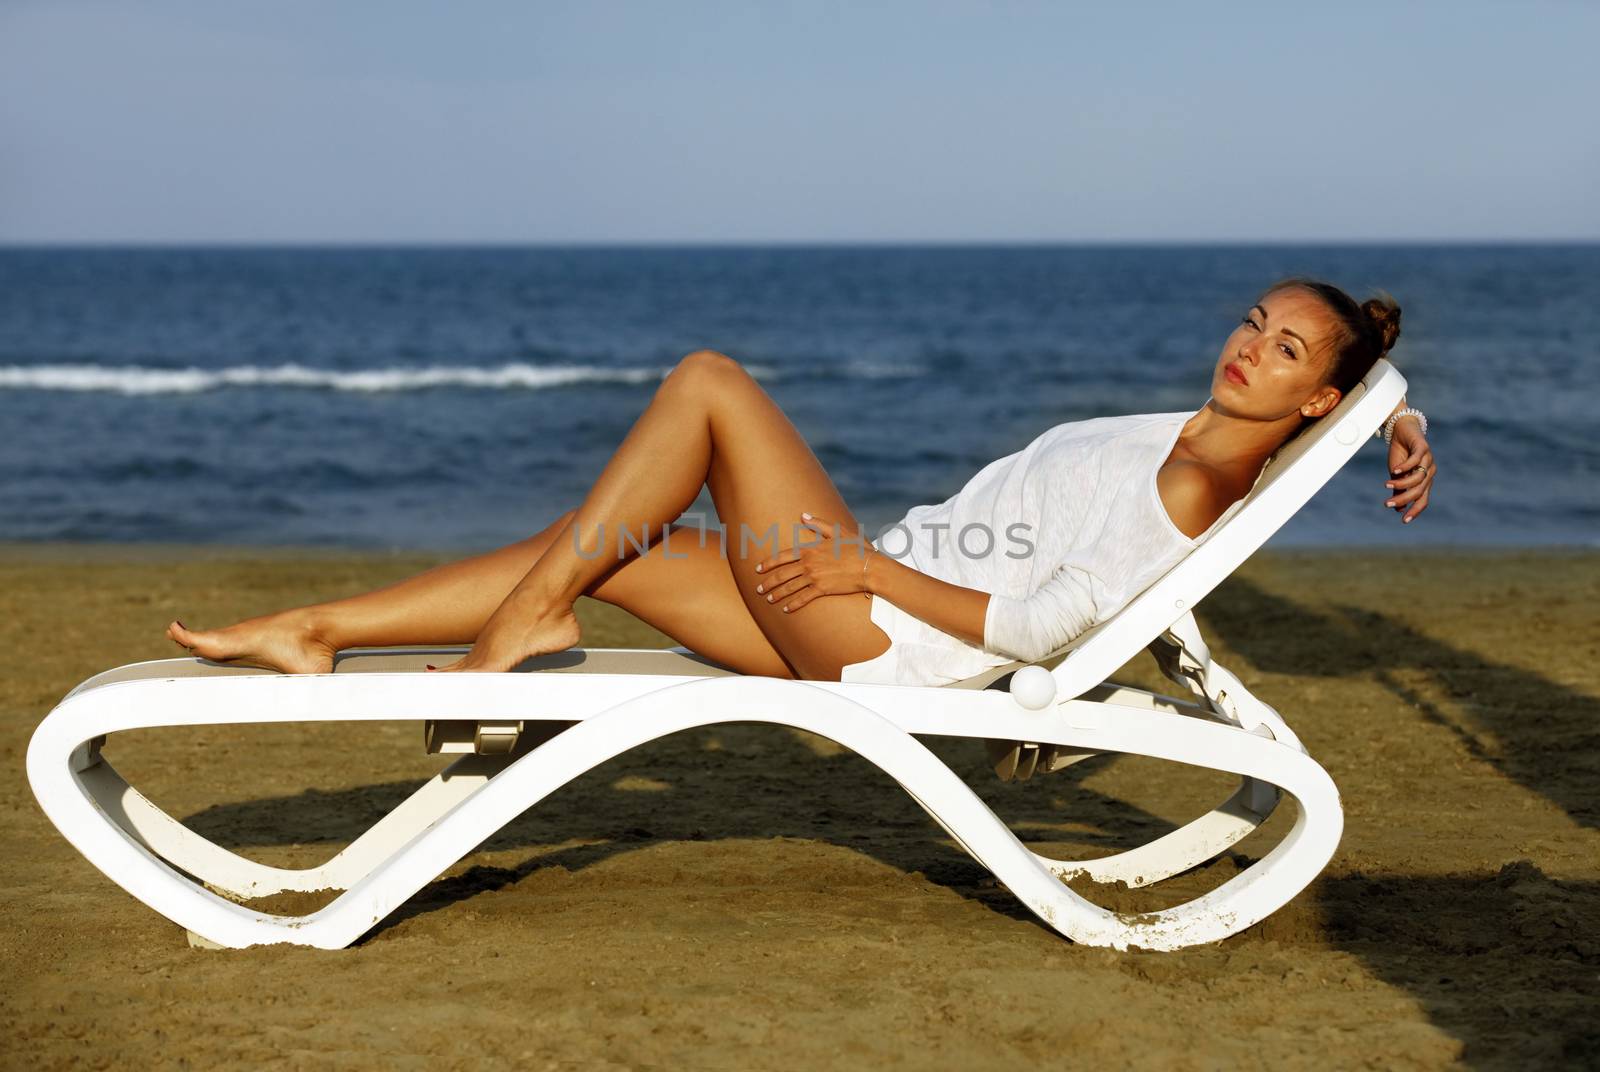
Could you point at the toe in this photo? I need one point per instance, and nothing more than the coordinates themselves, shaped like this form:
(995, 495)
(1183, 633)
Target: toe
(193, 641)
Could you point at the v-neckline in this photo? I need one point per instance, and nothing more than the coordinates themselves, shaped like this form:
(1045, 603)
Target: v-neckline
(1161, 507)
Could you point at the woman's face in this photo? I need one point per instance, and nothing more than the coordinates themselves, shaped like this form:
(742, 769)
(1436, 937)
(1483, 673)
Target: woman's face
(1274, 362)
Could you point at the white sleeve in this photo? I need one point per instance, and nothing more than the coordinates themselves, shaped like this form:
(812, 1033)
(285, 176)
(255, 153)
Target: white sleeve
(1031, 628)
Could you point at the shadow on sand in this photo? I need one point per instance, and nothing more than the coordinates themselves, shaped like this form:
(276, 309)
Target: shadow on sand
(736, 781)
(1537, 732)
(1507, 961)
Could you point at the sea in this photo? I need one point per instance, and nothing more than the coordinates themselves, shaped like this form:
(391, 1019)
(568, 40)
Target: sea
(458, 399)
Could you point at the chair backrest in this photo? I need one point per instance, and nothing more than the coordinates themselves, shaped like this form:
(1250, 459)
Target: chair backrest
(1290, 478)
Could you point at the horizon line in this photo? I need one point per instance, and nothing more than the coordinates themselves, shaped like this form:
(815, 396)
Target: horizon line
(776, 243)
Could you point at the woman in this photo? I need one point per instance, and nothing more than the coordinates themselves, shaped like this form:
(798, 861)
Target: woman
(1056, 562)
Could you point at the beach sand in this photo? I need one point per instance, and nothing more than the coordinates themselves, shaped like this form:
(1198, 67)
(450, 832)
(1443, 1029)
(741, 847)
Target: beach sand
(753, 897)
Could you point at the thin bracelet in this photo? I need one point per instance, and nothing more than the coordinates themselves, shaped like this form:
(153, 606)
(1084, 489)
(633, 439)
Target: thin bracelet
(865, 559)
(1385, 431)
(1388, 425)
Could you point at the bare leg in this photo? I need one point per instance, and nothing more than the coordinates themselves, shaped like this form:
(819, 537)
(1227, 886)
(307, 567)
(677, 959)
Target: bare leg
(679, 586)
(709, 423)
(444, 605)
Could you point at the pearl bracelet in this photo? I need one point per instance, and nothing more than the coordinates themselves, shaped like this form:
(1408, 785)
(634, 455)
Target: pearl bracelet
(1387, 431)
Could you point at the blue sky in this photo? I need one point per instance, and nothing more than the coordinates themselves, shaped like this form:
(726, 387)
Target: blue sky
(292, 121)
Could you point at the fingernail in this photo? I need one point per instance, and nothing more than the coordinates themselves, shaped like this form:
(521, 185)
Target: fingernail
(430, 666)
(806, 516)
(761, 588)
(758, 569)
(1390, 503)
(180, 624)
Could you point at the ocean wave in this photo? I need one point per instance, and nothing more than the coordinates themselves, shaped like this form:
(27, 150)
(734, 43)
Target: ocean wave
(148, 380)
(145, 380)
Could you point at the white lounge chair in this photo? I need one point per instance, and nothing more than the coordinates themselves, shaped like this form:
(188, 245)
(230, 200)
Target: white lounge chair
(531, 732)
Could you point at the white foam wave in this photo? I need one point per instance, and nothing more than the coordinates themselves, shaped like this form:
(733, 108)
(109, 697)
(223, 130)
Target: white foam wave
(140, 380)
(143, 380)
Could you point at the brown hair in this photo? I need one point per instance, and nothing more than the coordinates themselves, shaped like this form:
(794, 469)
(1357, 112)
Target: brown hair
(1363, 333)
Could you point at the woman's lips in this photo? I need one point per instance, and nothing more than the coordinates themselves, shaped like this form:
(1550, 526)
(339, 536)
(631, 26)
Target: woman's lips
(1235, 375)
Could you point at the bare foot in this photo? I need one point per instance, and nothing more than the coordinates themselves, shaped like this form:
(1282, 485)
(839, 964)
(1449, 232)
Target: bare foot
(286, 642)
(515, 632)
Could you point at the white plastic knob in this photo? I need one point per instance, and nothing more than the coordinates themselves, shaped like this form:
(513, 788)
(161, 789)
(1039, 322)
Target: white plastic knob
(1033, 687)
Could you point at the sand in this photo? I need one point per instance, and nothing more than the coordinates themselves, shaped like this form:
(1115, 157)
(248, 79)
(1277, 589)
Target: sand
(754, 897)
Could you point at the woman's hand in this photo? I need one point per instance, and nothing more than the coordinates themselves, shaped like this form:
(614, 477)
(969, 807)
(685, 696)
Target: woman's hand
(835, 565)
(1411, 463)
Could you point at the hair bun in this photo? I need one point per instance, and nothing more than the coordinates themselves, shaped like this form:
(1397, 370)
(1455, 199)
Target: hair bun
(1384, 313)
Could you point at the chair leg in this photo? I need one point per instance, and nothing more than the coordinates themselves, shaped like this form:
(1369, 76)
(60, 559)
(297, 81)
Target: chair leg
(1188, 846)
(230, 873)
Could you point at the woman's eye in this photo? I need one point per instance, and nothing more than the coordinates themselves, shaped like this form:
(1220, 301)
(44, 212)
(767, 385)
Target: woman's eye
(1247, 320)
(1287, 349)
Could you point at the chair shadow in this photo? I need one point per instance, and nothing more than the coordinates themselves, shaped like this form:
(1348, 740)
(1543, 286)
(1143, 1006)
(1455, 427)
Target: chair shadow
(1506, 962)
(778, 785)
(1540, 734)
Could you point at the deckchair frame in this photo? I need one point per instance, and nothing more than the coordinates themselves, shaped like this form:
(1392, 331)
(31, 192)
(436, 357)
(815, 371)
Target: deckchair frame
(527, 733)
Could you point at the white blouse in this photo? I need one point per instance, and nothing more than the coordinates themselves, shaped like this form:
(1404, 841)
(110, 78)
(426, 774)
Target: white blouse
(1062, 534)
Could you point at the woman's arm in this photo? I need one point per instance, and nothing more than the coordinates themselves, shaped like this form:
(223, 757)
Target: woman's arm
(794, 577)
(1026, 629)
(1411, 467)
(1402, 405)
(950, 608)
(823, 567)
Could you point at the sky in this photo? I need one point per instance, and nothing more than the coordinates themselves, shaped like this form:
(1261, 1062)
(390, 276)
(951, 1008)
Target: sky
(747, 122)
